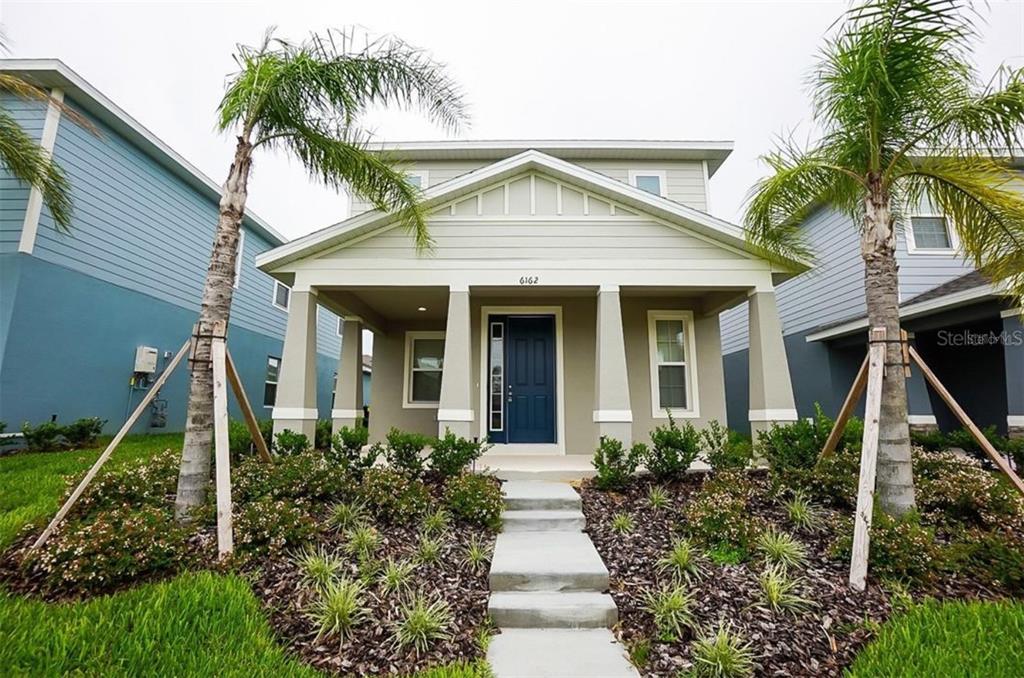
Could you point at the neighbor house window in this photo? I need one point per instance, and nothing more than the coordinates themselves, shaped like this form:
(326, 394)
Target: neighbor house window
(341, 327)
(282, 295)
(672, 363)
(418, 179)
(929, 233)
(270, 385)
(238, 258)
(650, 181)
(424, 364)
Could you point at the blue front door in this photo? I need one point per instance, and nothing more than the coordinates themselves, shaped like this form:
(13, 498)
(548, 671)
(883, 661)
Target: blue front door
(528, 363)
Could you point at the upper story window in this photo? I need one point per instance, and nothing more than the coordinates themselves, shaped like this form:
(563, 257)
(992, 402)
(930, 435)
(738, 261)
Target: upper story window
(238, 258)
(673, 380)
(651, 181)
(424, 365)
(282, 295)
(930, 233)
(418, 179)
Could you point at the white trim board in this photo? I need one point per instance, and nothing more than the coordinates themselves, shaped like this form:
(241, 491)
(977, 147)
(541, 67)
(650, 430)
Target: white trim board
(34, 206)
(559, 446)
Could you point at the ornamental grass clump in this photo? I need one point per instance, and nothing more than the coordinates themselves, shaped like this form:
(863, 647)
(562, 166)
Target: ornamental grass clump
(347, 515)
(722, 653)
(318, 567)
(338, 609)
(801, 513)
(672, 610)
(396, 576)
(420, 624)
(657, 497)
(622, 523)
(428, 551)
(779, 548)
(477, 555)
(779, 591)
(436, 522)
(682, 562)
(362, 542)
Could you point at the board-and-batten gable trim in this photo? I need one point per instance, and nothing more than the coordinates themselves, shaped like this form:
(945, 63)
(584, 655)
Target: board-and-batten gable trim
(690, 219)
(34, 206)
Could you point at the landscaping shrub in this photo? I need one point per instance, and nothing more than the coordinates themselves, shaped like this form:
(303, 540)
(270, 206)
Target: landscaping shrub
(45, 437)
(475, 499)
(615, 466)
(83, 432)
(239, 440)
(996, 555)
(268, 525)
(901, 548)
(672, 451)
(932, 440)
(952, 489)
(451, 454)
(391, 496)
(302, 476)
(718, 515)
(138, 483)
(288, 442)
(322, 435)
(119, 546)
(404, 451)
(347, 449)
(725, 450)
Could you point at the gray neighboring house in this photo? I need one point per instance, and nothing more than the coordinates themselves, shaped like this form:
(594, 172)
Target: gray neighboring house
(963, 328)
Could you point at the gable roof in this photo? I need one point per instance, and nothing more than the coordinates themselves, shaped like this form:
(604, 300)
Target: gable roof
(712, 152)
(647, 203)
(51, 73)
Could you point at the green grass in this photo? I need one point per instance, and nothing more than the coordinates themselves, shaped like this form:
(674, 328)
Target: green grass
(32, 485)
(948, 639)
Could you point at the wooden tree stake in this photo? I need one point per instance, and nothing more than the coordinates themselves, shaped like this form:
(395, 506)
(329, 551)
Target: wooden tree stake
(222, 453)
(846, 411)
(868, 461)
(247, 413)
(992, 453)
(150, 395)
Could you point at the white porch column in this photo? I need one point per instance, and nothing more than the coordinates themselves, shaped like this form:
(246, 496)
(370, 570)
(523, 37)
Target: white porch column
(455, 410)
(771, 392)
(612, 412)
(295, 407)
(348, 393)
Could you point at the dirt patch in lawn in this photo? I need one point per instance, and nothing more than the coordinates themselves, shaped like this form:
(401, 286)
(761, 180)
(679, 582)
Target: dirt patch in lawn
(818, 642)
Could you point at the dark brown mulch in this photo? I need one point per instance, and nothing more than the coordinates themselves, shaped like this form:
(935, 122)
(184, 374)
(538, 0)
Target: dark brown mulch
(819, 642)
(369, 649)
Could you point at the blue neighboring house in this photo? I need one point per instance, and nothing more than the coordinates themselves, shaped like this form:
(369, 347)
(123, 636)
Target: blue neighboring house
(968, 332)
(77, 310)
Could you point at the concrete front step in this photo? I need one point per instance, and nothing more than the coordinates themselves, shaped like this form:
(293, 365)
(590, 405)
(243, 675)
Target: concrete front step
(537, 521)
(540, 495)
(558, 653)
(566, 610)
(546, 561)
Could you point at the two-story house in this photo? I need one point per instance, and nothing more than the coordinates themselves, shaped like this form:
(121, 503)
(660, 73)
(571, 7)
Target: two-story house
(89, 319)
(968, 333)
(573, 291)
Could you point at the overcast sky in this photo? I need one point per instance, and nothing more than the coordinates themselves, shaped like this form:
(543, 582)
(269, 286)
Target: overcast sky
(552, 69)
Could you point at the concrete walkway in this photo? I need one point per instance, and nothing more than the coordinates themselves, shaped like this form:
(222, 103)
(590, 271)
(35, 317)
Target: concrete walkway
(548, 588)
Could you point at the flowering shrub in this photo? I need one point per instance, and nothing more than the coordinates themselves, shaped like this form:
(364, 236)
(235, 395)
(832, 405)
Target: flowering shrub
(119, 546)
(952, 489)
(717, 514)
(268, 525)
(475, 499)
(997, 554)
(308, 476)
(392, 496)
(900, 548)
(672, 451)
(451, 454)
(143, 482)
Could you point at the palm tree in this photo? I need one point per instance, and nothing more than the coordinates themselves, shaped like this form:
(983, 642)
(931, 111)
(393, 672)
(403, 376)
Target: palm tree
(306, 99)
(905, 121)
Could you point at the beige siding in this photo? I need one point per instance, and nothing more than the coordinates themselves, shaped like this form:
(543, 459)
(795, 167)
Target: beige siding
(437, 172)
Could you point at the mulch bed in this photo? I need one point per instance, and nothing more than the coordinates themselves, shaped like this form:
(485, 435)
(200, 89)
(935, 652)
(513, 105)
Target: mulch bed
(819, 642)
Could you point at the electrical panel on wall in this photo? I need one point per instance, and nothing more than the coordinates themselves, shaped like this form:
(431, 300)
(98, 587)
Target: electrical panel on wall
(145, 360)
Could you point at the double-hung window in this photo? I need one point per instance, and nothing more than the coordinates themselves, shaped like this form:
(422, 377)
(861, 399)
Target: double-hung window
(270, 385)
(282, 295)
(673, 379)
(424, 365)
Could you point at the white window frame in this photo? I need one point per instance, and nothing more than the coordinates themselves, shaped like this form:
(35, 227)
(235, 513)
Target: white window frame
(266, 380)
(662, 179)
(407, 401)
(689, 352)
(912, 248)
(424, 176)
(238, 259)
(273, 296)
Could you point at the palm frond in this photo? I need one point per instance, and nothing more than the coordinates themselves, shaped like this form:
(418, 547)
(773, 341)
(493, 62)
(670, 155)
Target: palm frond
(26, 160)
(340, 162)
(977, 196)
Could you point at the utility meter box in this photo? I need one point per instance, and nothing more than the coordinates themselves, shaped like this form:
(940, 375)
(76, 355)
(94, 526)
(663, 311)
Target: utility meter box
(145, 360)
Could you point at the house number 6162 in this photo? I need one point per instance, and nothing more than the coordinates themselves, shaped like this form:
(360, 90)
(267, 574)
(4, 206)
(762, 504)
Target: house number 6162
(529, 280)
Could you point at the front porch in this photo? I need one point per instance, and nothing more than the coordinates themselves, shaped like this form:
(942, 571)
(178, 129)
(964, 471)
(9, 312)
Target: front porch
(541, 371)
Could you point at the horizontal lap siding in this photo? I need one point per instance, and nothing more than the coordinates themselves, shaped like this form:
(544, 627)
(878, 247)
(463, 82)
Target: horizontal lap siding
(921, 272)
(30, 115)
(438, 172)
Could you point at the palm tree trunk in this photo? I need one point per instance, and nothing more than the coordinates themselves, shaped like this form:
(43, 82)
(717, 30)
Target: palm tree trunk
(894, 484)
(194, 475)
